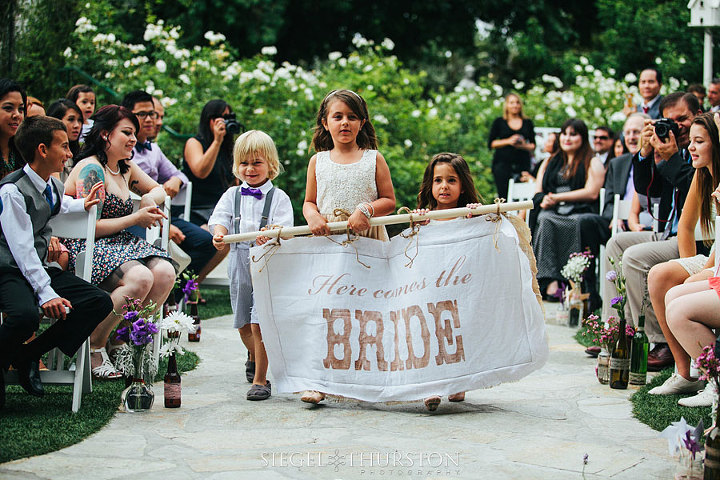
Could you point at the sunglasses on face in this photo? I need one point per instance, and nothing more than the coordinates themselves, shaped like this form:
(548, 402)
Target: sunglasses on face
(601, 137)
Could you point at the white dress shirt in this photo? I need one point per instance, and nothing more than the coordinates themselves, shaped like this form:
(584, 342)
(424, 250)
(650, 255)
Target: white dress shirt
(17, 228)
(281, 212)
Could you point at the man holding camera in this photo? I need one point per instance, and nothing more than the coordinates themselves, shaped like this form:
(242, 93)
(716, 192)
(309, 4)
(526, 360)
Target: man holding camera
(660, 169)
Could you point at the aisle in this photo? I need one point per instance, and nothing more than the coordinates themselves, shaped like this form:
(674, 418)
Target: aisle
(538, 428)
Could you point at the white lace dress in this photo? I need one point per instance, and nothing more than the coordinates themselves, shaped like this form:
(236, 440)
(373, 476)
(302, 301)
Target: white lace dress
(344, 186)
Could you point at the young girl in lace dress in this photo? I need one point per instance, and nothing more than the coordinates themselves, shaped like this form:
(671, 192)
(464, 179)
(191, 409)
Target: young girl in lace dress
(348, 179)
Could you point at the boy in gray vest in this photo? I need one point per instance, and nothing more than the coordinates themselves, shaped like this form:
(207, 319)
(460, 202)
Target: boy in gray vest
(29, 198)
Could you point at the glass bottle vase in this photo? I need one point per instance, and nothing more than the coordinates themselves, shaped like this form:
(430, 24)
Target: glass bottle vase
(603, 366)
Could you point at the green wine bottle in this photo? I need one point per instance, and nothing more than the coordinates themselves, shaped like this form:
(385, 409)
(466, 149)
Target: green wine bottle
(620, 360)
(639, 354)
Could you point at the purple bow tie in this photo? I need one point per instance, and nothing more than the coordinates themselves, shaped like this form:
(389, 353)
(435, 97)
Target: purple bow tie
(140, 146)
(254, 192)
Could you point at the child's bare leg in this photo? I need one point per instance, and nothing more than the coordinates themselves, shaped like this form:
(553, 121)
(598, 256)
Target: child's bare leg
(692, 316)
(247, 338)
(261, 360)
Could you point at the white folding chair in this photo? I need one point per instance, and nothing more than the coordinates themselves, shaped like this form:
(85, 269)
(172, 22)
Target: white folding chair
(73, 225)
(184, 198)
(520, 192)
(218, 277)
(621, 211)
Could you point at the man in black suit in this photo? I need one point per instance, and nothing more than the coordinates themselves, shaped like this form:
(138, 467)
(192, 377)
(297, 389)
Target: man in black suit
(595, 229)
(30, 197)
(660, 169)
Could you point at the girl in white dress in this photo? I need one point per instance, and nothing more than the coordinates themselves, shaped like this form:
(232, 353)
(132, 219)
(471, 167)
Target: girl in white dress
(248, 208)
(348, 179)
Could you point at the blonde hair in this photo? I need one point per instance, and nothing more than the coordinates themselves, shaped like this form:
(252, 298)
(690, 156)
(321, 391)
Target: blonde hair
(255, 141)
(505, 114)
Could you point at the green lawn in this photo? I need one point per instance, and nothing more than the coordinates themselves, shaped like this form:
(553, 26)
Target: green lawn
(218, 303)
(658, 411)
(34, 426)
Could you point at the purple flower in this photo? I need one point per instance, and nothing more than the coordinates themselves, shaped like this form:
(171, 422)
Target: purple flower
(616, 300)
(123, 334)
(131, 316)
(585, 459)
(190, 286)
(142, 332)
(611, 276)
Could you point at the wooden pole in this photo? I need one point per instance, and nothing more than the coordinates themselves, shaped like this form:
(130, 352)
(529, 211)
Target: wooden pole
(388, 220)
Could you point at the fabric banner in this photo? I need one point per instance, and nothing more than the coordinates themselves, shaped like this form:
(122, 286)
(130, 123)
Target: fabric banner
(449, 309)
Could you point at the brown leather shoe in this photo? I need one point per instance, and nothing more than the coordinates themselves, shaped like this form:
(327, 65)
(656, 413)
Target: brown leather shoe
(660, 357)
(593, 351)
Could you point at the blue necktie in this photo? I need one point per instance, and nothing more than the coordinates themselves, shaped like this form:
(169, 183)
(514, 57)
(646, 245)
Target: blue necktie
(49, 196)
(254, 192)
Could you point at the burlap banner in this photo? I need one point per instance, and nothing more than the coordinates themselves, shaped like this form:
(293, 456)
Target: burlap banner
(461, 316)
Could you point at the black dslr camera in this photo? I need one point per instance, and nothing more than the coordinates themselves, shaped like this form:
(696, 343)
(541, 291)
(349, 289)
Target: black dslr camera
(663, 127)
(231, 124)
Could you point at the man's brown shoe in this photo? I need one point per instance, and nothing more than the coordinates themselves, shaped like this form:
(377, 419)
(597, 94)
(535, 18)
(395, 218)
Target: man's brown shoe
(660, 358)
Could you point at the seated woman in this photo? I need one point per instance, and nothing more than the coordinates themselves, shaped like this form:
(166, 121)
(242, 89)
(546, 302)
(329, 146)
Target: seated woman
(12, 112)
(123, 264)
(692, 267)
(568, 186)
(207, 160)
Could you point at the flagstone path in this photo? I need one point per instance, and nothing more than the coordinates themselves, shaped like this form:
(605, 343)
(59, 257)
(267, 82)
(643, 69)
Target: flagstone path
(537, 428)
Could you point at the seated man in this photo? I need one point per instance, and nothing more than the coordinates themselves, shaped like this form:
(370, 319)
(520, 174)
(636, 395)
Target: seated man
(194, 241)
(30, 197)
(595, 229)
(660, 169)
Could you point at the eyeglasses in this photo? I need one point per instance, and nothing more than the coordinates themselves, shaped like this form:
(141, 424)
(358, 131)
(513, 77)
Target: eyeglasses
(602, 137)
(142, 115)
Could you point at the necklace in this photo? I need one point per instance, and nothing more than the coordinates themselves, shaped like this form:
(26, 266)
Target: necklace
(117, 172)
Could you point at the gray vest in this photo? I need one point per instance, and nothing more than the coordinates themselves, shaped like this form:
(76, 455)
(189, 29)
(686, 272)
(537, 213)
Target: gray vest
(39, 210)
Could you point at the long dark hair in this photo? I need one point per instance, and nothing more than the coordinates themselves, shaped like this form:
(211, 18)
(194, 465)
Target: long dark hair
(106, 119)
(469, 193)
(58, 109)
(215, 109)
(7, 86)
(708, 178)
(366, 138)
(583, 155)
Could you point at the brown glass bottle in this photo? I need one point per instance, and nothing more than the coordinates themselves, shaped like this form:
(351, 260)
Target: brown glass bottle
(620, 360)
(173, 386)
(194, 337)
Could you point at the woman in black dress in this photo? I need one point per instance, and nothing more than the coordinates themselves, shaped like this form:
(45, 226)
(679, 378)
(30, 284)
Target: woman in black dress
(208, 161)
(513, 138)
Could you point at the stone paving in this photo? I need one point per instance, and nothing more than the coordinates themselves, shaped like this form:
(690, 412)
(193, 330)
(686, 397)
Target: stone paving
(537, 428)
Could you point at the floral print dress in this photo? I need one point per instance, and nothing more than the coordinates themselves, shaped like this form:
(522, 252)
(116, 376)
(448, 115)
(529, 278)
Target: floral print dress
(114, 250)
